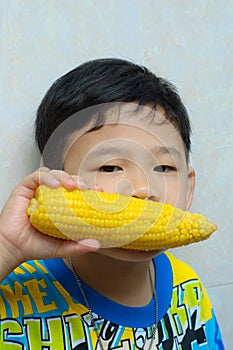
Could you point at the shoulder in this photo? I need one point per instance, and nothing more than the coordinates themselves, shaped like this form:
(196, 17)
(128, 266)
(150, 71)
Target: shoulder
(187, 285)
(29, 290)
(25, 275)
(181, 271)
(190, 308)
(188, 291)
(30, 268)
(183, 282)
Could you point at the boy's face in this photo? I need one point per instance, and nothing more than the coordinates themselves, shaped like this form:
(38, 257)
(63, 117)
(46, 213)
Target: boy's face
(136, 157)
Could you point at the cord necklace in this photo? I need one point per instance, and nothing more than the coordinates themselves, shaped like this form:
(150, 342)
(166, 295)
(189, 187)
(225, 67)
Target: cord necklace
(154, 327)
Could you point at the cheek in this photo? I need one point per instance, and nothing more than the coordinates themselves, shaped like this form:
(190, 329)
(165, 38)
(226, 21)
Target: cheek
(108, 182)
(90, 177)
(175, 191)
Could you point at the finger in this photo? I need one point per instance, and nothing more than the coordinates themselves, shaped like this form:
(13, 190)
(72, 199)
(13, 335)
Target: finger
(64, 179)
(89, 243)
(51, 178)
(98, 188)
(43, 168)
(72, 248)
(54, 178)
(80, 183)
(26, 188)
(83, 185)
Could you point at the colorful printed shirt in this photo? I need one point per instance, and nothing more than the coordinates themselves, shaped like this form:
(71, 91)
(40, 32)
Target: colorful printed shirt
(41, 307)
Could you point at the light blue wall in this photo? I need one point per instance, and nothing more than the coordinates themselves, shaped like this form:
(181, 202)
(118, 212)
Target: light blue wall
(188, 42)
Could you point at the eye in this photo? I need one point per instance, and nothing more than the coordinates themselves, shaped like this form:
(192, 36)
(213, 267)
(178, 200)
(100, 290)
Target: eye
(110, 168)
(164, 168)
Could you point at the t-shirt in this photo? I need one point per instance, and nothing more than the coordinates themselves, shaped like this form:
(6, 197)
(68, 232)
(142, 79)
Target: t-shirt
(41, 307)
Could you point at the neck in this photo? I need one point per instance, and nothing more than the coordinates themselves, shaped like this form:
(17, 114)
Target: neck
(124, 282)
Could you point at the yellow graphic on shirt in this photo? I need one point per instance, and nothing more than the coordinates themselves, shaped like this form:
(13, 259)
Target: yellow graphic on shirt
(16, 297)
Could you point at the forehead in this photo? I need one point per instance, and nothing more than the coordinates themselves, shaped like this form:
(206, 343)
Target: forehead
(125, 127)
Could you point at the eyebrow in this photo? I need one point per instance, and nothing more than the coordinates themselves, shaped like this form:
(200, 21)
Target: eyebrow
(168, 150)
(158, 150)
(106, 150)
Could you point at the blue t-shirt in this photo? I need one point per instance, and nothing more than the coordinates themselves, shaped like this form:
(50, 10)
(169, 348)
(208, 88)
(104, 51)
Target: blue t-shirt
(41, 307)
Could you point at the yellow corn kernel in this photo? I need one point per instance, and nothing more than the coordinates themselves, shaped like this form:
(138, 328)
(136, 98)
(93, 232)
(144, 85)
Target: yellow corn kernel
(115, 220)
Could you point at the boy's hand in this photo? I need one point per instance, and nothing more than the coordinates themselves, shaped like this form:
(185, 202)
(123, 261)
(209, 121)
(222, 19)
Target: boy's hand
(19, 241)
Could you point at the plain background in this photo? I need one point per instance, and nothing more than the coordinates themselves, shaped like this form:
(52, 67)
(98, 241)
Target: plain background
(187, 42)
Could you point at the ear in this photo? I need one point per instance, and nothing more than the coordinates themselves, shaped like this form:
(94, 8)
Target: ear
(191, 186)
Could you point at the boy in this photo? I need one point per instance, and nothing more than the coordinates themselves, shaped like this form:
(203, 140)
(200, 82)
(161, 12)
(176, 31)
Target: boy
(112, 126)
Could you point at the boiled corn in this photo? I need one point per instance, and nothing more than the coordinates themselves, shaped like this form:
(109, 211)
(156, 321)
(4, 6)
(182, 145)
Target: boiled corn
(115, 220)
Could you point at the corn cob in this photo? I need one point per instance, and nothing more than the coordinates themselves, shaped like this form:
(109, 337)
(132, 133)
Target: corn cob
(115, 220)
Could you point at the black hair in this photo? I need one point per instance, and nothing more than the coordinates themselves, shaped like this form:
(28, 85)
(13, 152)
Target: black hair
(98, 82)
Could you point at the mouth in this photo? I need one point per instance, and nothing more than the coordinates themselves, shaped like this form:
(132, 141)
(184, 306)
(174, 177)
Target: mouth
(136, 251)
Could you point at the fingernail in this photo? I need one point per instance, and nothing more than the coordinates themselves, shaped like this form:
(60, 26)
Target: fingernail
(98, 188)
(55, 182)
(93, 243)
(71, 181)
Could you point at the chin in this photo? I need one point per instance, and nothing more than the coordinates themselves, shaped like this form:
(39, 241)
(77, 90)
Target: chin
(129, 254)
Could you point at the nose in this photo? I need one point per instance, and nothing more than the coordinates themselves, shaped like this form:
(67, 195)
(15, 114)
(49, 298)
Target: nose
(142, 187)
(143, 193)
